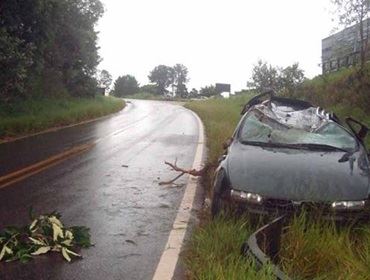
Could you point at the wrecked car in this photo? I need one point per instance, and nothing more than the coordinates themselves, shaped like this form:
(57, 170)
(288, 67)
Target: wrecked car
(286, 154)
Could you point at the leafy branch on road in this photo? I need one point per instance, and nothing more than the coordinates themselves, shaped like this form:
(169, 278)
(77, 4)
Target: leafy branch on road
(44, 234)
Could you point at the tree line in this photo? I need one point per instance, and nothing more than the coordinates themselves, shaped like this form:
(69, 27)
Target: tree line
(162, 77)
(165, 81)
(48, 48)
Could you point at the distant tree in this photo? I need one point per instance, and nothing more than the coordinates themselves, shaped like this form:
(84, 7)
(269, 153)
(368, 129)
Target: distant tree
(281, 80)
(105, 79)
(355, 12)
(193, 93)
(290, 78)
(208, 91)
(163, 77)
(180, 79)
(264, 76)
(182, 91)
(125, 85)
(149, 88)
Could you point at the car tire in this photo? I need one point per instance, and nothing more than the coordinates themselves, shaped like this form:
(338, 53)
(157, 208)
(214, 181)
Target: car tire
(220, 195)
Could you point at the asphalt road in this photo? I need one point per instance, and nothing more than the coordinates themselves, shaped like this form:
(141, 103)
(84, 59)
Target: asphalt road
(112, 189)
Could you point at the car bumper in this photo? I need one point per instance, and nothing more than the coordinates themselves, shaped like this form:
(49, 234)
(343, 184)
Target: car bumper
(277, 207)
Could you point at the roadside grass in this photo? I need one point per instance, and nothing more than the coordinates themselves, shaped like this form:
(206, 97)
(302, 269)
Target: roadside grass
(313, 248)
(214, 252)
(310, 249)
(36, 115)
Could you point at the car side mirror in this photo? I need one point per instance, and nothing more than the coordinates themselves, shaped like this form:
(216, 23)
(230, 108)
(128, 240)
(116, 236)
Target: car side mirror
(227, 143)
(358, 128)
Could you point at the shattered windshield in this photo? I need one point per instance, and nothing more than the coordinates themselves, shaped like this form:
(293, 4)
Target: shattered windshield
(262, 129)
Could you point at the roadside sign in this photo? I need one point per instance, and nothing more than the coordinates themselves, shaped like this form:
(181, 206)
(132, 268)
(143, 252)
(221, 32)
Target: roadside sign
(223, 88)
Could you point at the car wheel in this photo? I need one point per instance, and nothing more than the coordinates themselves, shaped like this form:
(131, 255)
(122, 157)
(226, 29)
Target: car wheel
(220, 196)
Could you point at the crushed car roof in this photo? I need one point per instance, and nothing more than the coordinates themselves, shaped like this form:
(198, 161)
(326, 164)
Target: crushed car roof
(290, 112)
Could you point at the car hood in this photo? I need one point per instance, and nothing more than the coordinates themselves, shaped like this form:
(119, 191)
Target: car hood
(299, 175)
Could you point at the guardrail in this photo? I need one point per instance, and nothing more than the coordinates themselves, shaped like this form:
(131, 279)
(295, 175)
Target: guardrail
(264, 246)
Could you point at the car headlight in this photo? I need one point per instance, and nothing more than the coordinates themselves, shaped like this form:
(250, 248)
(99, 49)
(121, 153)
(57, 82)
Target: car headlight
(246, 197)
(348, 205)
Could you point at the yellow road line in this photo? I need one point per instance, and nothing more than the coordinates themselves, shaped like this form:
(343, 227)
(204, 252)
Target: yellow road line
(33, 169)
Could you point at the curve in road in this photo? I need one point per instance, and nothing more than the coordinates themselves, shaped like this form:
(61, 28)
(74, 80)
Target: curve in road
(112, 188)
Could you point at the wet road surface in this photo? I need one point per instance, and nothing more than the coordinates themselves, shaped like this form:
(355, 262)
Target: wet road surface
(112, 189)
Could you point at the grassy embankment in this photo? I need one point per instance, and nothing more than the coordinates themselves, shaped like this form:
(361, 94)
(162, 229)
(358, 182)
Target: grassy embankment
(32, 116)
(310, 249)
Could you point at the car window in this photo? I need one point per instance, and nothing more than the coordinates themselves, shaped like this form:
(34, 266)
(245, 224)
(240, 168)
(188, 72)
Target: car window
(266, 130)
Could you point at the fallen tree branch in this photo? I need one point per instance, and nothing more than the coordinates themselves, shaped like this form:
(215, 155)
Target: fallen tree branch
(171, 181)
(193, 172)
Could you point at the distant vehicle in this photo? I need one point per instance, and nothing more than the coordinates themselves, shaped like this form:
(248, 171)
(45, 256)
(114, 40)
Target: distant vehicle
(286, 154)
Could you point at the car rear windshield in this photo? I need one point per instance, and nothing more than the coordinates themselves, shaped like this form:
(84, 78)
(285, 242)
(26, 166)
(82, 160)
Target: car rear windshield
(262, 129)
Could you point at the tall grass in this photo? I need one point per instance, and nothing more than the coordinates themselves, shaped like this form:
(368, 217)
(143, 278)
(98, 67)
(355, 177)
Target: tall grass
(310, 249)
(214, 252)
(35, 115)
(319, 249)
(348, 87)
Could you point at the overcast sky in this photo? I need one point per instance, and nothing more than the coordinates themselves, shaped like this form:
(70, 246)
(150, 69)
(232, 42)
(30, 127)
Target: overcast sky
(218, 40)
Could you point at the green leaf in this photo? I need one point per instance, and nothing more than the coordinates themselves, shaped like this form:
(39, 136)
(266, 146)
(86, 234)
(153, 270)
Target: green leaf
(57, 232)
(65, 254)
(56, 221)
(8, 250)
(33, 224)
(73, 253)
(68, 234)
(67, 242)
(2, 253)
(25, 258)
(36, 241)
(81, 236)
(41, 250)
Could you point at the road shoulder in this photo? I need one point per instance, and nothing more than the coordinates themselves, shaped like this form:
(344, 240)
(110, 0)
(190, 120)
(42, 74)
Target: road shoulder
(168, 265)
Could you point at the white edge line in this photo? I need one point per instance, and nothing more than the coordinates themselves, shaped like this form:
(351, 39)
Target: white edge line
(170, 256)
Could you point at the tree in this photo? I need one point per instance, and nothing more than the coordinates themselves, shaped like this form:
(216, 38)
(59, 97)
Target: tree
(105, 79)
(264, 76)
(281, 80)
(149, 88)
(12, 80)
(163, 77)
(180, 78)
(355, 12)
(193, 93)
(182, 91)
(48, 47)
(290, 78)
(208, 91)
(125, 85)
